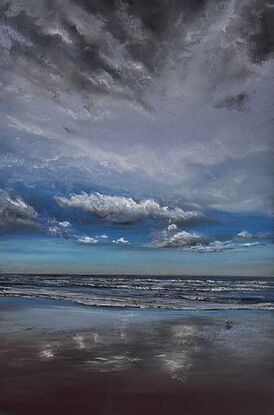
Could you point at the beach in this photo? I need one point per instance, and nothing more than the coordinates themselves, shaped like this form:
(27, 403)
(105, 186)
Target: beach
(61, 358)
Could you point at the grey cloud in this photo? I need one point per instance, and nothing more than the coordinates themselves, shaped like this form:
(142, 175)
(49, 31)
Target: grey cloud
(15, 212)
(142, 91)
(121, 209)
(92, 50)
(238, 102)
(120, 50)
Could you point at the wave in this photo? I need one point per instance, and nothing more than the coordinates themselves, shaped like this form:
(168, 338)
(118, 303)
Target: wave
(164, 293)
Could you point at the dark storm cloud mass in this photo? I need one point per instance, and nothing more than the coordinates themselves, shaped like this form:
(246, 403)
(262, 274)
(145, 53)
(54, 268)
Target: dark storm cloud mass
(159, 98)
(15, 212)
(90, 46)
(117, 48)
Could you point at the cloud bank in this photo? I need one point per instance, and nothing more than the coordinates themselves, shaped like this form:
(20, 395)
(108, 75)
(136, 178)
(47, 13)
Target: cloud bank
(125, 210)
(172, 237)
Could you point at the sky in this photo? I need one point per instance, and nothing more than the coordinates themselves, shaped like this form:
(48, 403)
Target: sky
(136, 137)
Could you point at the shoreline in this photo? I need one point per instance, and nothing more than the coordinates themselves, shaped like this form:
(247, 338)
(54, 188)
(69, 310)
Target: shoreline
(262, 306)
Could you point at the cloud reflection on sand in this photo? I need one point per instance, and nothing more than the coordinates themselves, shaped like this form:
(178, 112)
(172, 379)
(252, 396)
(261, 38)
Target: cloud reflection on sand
(49, 350)
(182, 347)
(79, 340)
(178, 361)
(121, 347)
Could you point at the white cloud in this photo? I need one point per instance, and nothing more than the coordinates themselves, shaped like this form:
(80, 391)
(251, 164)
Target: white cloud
(220, 246)
(172, 227)
(249, 235)
(87, 240)
(250, 244)
(215, 246)
(121, 240)
(171, 238)
(14, 211)
(65, 224)
(104, 236)
(121, 209)
(55, 231)
(244, 235)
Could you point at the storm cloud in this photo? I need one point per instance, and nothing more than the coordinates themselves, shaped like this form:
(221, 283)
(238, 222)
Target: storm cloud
(155, 97)
(15, 212)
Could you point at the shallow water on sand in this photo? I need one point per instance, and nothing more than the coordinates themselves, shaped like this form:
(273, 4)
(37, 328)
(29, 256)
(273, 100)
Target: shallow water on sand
(59, 358)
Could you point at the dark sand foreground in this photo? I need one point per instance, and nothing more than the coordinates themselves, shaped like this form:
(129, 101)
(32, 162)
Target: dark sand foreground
(57, 358)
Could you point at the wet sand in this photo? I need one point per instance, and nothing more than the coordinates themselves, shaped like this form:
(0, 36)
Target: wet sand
(58, 358)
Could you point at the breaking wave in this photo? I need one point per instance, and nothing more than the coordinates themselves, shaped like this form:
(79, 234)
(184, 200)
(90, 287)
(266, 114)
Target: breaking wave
(181, 293)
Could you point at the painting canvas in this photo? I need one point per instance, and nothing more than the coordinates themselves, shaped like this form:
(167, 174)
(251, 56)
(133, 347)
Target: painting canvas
(136, 207)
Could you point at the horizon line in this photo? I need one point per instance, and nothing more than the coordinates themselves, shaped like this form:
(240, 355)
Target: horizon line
(133, 275)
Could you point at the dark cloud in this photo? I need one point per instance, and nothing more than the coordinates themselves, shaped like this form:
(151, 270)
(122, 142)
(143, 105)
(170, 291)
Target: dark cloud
(238, 102)
(262, 41)
(133, 97)
(15, 212)
(114, 47)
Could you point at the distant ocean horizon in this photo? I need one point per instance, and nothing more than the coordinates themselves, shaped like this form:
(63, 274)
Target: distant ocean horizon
(140, 291)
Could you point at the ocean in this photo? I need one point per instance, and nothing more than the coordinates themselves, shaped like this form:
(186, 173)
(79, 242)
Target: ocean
(165, 292)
